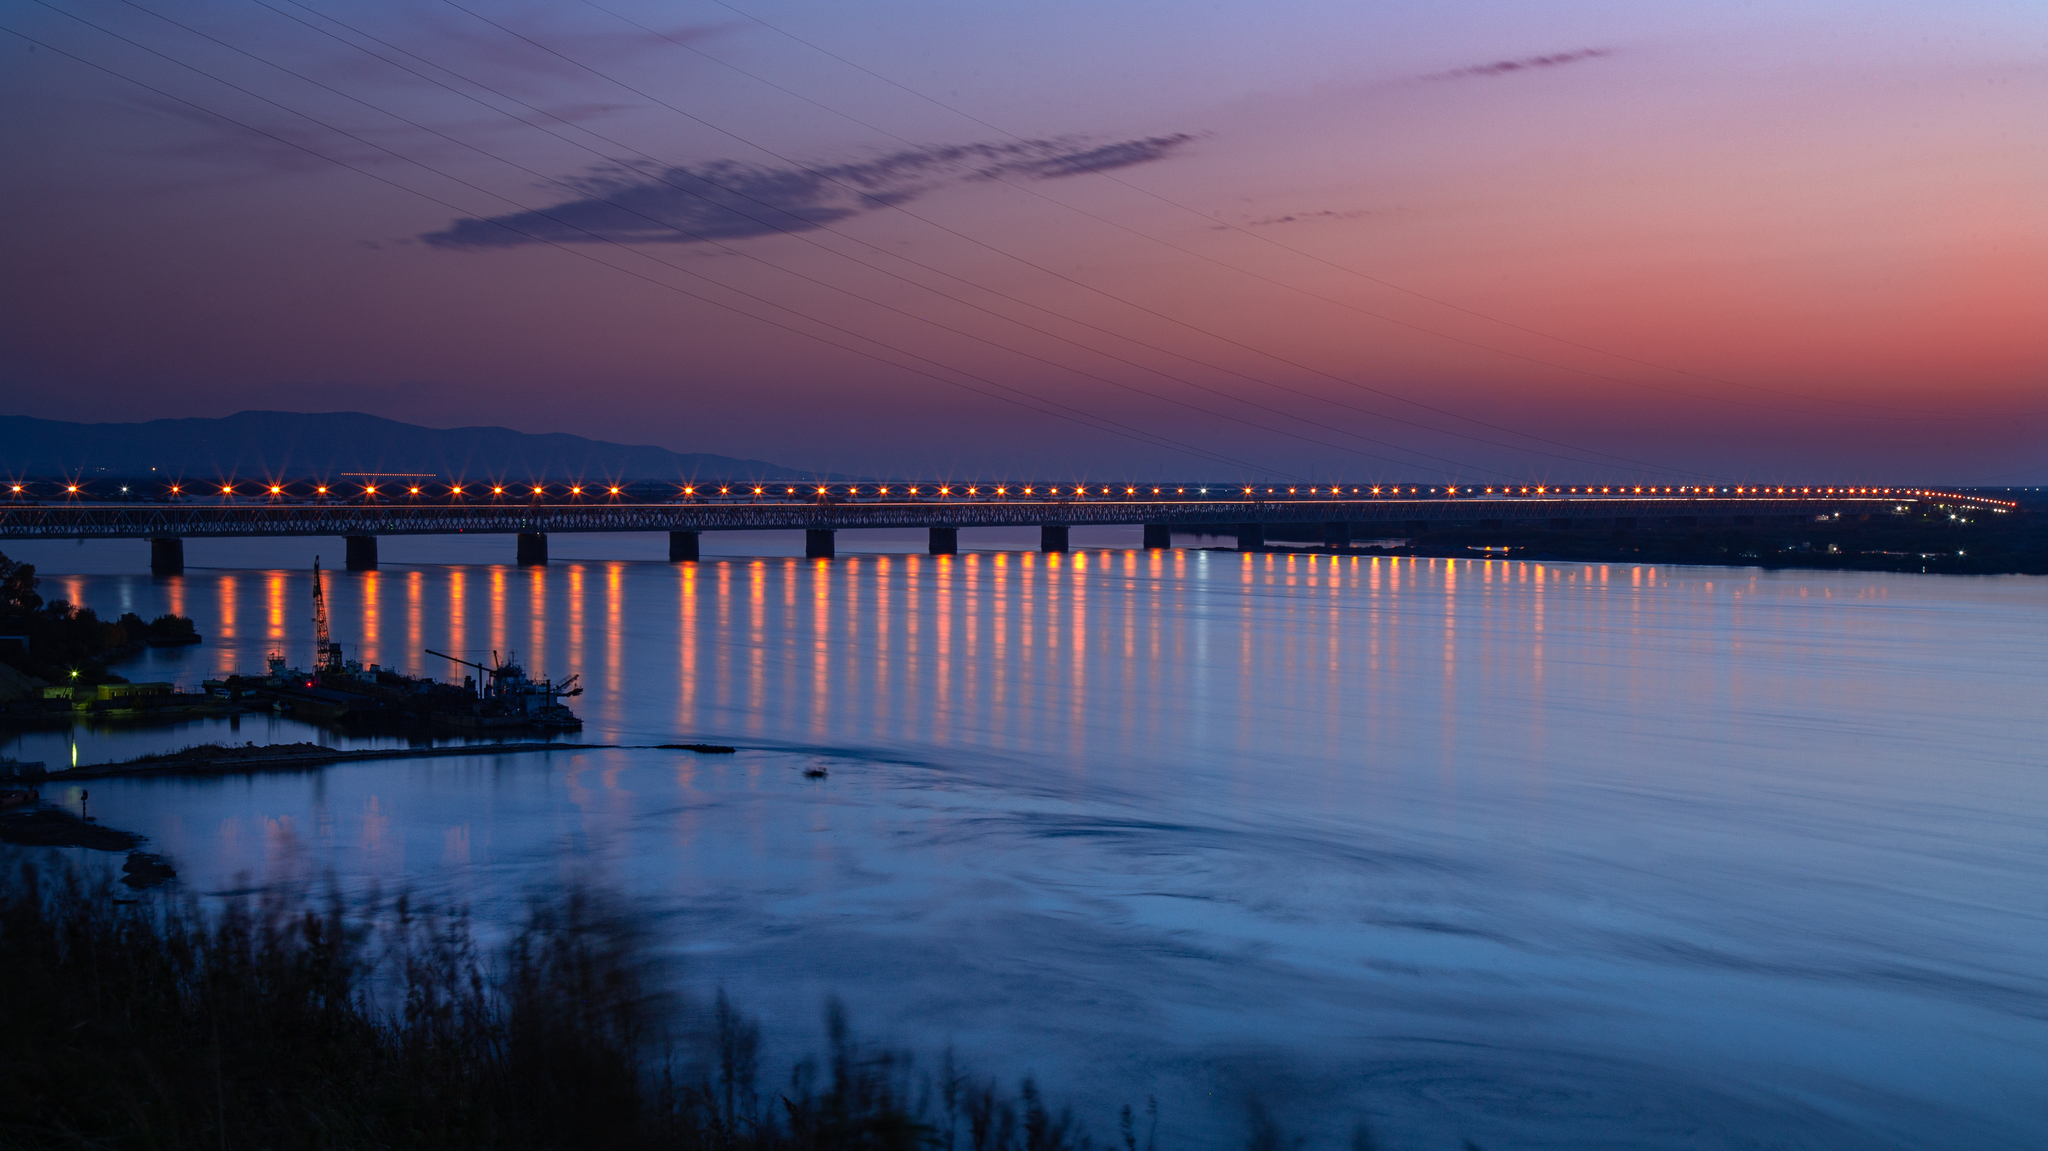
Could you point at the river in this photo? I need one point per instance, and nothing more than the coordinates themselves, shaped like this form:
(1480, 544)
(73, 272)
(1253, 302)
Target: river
(1518, 853)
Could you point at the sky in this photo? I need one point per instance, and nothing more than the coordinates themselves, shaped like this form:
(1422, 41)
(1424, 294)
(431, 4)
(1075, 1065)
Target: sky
(1468, 239)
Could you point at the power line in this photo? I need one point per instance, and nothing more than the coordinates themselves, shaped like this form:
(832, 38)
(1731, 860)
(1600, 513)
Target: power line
(897, 207)
(770, 224)
(1912, 413)
(1076, 416)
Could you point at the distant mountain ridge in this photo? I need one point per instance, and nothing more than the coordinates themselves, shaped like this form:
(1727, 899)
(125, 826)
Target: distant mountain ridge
(304, 445)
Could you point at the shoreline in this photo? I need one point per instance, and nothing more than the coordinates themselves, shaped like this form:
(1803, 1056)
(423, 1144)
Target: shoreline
(227, 764)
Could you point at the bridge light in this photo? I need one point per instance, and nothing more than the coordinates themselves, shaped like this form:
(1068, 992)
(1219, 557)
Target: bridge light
(17, 489)
(689, 491)
(1002, 491)
(1027, 491)
(1375, 491)
(757, 491)
(882, 491)
(414, 491)
(321, 490)
(821, 491)
(1247, 491)
(73, 489)
(575, 489)
(1290, 491)
(274, 489)
(792, 491)
(1182, 491)
(455, 489)
(973, 491)
(723, 491)
(945, 491)
(615, 490)
(225, 489)
(495, 490)
(913, 491)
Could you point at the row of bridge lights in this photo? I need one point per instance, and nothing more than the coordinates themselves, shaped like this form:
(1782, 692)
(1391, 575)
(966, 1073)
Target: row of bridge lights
(1082, 490)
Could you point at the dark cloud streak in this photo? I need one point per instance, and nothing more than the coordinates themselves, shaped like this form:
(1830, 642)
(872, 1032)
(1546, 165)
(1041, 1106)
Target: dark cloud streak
(725, 200)
(1525, 64)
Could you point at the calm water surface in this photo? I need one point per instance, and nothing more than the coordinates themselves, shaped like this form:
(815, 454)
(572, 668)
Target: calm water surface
(1526, 854)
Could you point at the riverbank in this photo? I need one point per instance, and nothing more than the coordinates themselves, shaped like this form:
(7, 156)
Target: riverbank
(214, 759)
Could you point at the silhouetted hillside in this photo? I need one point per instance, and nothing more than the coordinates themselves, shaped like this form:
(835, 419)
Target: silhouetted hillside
(295, 444)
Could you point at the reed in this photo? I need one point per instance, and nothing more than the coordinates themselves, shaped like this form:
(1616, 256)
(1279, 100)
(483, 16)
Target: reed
(286, 1020)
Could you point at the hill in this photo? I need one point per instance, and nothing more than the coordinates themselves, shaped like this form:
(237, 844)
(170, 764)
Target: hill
(296, 444)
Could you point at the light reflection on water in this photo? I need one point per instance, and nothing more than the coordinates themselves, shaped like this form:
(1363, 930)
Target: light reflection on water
(1493, 850)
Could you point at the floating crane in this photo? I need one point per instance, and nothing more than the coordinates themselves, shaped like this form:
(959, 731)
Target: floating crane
(325, 653)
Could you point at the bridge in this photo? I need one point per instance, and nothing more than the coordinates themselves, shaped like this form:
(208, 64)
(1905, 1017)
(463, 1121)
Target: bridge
(168, 515)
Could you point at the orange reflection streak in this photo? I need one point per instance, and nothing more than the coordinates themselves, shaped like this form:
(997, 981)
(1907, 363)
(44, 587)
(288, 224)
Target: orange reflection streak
(498, 625)
(853, 677)
(458, 620)
(369, 648)
(614, 636)
(942, 670)
(786, 634)
(999, 641)
(821, 647)
(415, 589)
(174, 590)
(275, 592)
(885, 622)
(686, 643)
(724, 633)
(576, 607)
(224, 596)
(757, 668)
(537, 620)
(913, 610)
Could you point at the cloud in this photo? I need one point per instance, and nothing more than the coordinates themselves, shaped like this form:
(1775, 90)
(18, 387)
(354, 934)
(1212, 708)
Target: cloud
(1526, 63)
(726, 200)
(1305, 217)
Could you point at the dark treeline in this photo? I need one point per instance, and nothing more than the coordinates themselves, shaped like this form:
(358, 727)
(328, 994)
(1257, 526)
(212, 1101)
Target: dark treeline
(283, 1022)
(1928, 539)
(62, 638)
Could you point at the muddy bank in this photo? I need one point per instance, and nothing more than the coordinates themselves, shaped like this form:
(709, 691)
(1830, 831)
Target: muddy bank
(215, 759)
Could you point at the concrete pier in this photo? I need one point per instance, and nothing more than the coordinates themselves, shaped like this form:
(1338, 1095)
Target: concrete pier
(1251, 537)
(1158, 537)
(533, 549)
(944, 542)
(818, 544)
(167, 556)
(361, 553)
(1052, 537)
(682, 547)
(1337, 535)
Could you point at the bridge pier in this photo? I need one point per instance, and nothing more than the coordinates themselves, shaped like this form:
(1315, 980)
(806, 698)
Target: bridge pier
(682, 547)
(1251, 537)
(944, 542)
(1052, 537)
(1158, 537)
(361, 553)
(167, 556)
(818, 544)
(1337, 535)
(533, 549)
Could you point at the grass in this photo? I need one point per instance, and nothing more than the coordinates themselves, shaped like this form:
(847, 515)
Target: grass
(280, 1021)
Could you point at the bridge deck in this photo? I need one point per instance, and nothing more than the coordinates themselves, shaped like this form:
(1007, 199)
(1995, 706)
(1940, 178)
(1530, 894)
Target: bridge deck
(288, 518)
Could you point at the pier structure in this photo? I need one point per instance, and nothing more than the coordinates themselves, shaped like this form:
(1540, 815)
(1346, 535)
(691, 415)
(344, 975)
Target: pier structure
(820, 511)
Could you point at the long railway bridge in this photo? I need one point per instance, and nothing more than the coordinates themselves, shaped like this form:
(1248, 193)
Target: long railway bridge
(530, 512)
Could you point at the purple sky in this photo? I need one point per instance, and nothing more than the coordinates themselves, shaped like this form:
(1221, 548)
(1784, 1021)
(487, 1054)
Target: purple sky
(1802, 241)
